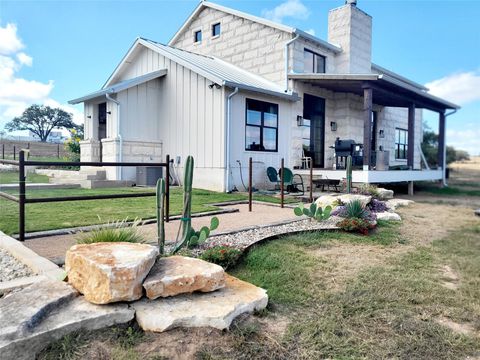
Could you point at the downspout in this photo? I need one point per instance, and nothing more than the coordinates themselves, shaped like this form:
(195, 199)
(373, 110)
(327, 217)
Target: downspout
(286, 60)
(444, 165)
(120, 152)
(227, 140)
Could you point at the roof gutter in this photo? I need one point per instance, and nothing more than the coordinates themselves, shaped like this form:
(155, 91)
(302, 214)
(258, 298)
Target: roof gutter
(286, 60)
(444, 165)
(227, 141)
(119, 136)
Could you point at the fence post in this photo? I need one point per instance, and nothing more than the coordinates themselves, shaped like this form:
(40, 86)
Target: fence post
(14, 153)
(3, 151)
(58, 151)
(167, 190)
(250, 175)
(282, 175)
(311, 183)
(21, 203)
(28, 146)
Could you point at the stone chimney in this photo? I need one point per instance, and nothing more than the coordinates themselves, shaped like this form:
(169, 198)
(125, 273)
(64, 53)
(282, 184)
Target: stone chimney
(351, 28)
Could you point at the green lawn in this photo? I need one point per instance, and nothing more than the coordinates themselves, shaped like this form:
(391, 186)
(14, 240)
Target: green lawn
(11, 177)
(47, 216)
(453, 190)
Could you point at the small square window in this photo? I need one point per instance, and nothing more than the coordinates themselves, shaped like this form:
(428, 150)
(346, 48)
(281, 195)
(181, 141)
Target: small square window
(197, 36)
(216, 29)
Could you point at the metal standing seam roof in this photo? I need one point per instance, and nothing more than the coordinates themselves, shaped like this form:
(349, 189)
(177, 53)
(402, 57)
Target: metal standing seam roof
(219, 71)
(122, 85)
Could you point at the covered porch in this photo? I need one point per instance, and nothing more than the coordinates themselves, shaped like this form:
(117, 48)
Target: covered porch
(385, 91)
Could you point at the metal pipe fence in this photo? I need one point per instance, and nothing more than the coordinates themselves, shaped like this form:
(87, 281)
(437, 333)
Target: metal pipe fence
(22, 199)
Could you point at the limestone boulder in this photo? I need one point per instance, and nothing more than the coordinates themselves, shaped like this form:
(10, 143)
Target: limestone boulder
(347, 198)
(384, 194)
(388, 216)
(393, 204)
(326, 200)
(30, 319)
(214, 309)
(175, 275)
(109, 272)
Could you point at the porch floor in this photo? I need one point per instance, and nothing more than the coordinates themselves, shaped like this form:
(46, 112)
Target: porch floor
(373, 176)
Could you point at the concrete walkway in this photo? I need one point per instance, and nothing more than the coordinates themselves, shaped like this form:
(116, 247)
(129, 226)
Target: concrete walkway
(54, 247)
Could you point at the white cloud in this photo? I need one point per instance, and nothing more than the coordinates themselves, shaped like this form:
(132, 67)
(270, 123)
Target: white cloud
(24, 59)
(467, 139)
(311, 32)
(17, 93)
(9, 41)
(461, 88)
(290, 8)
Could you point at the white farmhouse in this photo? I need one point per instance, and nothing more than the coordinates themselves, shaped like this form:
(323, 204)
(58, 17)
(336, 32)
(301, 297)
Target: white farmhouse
(229, 86)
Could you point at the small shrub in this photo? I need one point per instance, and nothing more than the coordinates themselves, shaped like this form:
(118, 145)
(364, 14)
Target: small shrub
(223, 255)
(356, 225)
(340, 211)
(377, 206)
(118, 232)
(367, 189)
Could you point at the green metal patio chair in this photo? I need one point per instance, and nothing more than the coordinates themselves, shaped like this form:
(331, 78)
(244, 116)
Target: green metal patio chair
(292, 182)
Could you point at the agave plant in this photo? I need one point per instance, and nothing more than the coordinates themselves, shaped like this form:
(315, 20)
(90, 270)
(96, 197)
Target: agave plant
(313, 212)
(355, 209)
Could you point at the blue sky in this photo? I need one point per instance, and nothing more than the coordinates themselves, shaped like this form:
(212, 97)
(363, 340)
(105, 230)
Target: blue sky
(53, 51)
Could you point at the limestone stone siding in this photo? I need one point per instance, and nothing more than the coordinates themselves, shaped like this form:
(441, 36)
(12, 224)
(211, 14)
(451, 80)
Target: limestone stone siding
(133, 151)
(242, 42)
(90, 150)
(351, 28)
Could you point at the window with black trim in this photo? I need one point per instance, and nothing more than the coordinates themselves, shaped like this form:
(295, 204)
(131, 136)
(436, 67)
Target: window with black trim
(313, 62)
(216, 29)
(401, 143)
(197, 36)
(261, 126)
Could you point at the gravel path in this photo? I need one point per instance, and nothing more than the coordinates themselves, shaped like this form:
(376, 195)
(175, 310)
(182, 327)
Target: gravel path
(243, 239)
(11, 268)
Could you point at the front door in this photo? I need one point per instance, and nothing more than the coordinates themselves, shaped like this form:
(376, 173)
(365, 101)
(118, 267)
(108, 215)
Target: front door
(314, 122)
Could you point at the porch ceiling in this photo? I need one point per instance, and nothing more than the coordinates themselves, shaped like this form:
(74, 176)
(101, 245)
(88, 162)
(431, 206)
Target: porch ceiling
(387, 91)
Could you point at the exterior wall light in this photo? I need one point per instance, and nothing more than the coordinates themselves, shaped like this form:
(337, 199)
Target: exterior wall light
(299, 120)
(89, 116)
(333, 126)
(381, 134)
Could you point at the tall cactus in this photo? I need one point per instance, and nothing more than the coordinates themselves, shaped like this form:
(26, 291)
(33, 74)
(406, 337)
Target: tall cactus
(161, 215)
(186, 221)
(349, 174)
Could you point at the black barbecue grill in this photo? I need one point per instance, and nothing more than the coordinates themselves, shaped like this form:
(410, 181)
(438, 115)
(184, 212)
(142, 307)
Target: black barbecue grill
(345, 148)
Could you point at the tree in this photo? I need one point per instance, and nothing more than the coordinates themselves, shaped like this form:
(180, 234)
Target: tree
(41, 120)
(430, 149)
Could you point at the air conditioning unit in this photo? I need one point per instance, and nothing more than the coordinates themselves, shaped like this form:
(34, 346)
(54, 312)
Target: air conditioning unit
(148, 175)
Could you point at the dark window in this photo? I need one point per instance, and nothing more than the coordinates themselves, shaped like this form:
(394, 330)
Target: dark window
(197, 36)
(261, 126)
(216, 29)
(401, 143)
(102, 113)
(313, 62)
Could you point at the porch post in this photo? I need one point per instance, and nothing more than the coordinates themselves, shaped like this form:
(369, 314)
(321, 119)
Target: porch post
(367, 124)
(441, 144)
(411, 136)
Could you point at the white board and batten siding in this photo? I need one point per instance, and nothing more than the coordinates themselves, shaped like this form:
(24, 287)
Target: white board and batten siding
(261, 159)
(181, 112)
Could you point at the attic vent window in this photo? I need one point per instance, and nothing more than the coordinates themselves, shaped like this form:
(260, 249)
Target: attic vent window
(216, 29)
(197, 36)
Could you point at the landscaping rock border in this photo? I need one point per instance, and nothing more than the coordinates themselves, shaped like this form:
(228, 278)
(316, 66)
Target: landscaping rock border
(41, 267)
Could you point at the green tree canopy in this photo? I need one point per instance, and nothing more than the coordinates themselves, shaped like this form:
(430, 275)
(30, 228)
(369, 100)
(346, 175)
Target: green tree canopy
(41, 120)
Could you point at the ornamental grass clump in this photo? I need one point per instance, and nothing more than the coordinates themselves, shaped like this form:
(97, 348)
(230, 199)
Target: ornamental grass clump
(118, 231)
